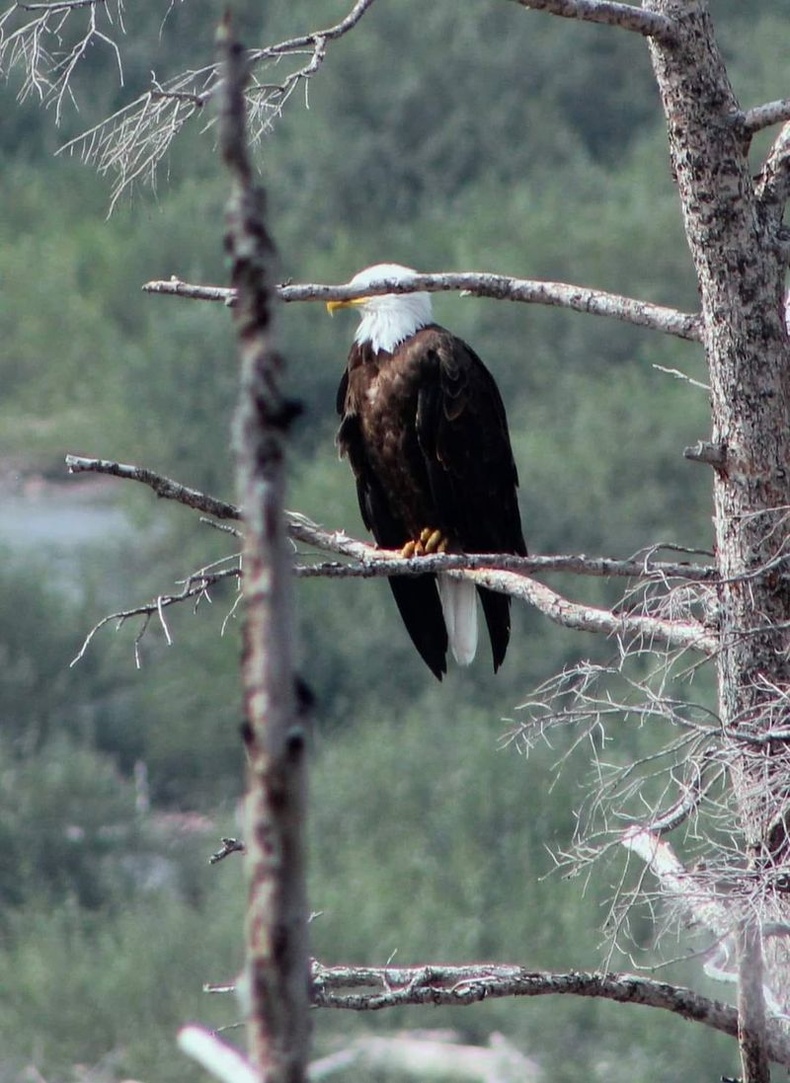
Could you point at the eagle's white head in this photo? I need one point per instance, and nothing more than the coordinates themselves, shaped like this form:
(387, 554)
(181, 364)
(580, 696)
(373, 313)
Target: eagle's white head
(388, 319)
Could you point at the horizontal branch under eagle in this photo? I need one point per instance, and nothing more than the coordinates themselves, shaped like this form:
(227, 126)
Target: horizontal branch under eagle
(673, 634)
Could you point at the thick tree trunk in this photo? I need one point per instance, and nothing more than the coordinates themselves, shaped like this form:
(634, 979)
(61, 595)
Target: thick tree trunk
(734, 240)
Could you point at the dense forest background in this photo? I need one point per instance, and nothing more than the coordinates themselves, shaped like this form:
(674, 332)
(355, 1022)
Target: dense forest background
(446, 137)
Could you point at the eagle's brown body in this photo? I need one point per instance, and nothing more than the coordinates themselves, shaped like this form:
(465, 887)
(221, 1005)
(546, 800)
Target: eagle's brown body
(425, 431)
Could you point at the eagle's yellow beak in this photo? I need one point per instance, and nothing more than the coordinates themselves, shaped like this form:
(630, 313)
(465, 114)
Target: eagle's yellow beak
(333, 306)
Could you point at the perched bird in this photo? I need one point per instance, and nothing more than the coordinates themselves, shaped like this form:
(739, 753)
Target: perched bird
(424, 428)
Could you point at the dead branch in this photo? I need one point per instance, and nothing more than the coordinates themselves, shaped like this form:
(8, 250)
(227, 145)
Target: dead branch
(691, 793)
(649, 631)
(390, 987)
(693, 892)
(229, 846)
(375, 562)
(176, 287)
(390, 563)
(221, 1060)
(673, 633)
(132, 143)
(683, 777)
(765, 116)
(678, 375)
(668, 321)
(714, 455)
(585, 618)
(50, 45)
(196, 588)
(332, 33)
(164, 487)
(773, 186)
(61, 5)
(648, 23)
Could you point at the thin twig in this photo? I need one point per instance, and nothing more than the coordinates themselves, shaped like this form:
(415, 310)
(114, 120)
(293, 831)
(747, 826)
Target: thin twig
(195, 587)
(132, 143)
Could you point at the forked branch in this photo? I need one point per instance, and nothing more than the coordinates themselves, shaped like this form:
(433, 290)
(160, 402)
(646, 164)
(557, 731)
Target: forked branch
(48, 44)
(132, 143)
(681, 634)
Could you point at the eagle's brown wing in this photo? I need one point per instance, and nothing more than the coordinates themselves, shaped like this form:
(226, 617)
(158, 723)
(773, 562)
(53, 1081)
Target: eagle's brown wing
(462, 431)
(416, 597)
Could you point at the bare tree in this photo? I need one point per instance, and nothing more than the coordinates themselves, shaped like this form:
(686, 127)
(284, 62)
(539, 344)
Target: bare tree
(728, 769)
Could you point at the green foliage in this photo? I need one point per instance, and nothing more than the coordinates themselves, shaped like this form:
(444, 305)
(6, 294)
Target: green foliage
(67, 820)
(110, 992)
(41, 696)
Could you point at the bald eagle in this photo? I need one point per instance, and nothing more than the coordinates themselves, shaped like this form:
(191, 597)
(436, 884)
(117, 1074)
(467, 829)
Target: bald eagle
(424, 428)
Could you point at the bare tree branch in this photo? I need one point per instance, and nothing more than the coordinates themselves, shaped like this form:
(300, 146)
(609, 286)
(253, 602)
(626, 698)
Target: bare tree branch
(375, 562)
(764, 116)
(463, 985)
(229, 846)
(677, 634)
(332, 33)
(164, 487)
(773, 187)
(50, 46)
(648, 23)
(196, 587)
(218, 1058)
(693, 892)
(60, 5)
(714, 455)
(176, 287)
(683, 635)
(668, 321)
(651, 631)
(386, 562)
(132, 143)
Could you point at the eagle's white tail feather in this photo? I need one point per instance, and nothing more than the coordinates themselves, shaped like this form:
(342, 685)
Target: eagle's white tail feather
(459, 605)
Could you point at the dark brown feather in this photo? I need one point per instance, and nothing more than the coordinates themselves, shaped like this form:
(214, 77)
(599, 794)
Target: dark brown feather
(425, 431)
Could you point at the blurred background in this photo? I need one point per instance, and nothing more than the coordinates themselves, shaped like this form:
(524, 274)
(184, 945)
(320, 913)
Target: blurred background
(442, 136)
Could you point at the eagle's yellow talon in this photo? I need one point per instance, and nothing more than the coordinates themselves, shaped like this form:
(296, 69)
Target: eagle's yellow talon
(429, 541)
(434, 541)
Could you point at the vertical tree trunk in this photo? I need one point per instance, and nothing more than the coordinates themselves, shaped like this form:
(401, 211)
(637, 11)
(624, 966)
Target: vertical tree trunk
(277, 954)
(734, 242)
